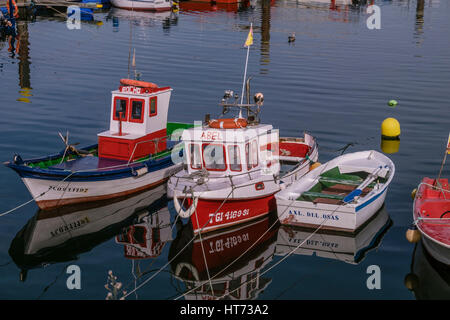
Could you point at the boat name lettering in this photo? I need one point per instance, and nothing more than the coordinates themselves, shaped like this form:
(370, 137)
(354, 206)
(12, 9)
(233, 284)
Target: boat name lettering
(314, 243)
(230, 215)
(314, 215)
(211, 135)
(133, 90)
(70, 226)
(69, 189)
(222, 244)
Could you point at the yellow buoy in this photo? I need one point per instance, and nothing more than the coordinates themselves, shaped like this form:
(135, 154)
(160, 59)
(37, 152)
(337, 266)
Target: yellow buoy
(413, 193)
(390, 128)
(314, 165)
(390, 146)
(413, 235)
(411, 281)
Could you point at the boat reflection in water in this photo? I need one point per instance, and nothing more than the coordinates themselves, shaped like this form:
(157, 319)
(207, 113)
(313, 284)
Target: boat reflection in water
(146, 238)
(429, 278)
(233, 258)
(60, 235)
(347, 247)
(143, 18)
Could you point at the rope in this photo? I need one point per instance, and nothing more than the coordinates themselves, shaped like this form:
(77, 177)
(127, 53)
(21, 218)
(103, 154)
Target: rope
(33, 199)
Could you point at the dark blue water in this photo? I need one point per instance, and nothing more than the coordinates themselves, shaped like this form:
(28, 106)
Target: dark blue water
(335, 81)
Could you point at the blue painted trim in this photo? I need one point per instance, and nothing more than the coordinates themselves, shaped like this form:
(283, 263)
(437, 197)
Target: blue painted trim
(369, 201)
(57, 174)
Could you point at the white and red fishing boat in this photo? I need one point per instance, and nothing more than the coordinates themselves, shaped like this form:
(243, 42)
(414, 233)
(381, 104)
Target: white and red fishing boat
(131, 156)
(143, 5)
(234, 167)
(432, 217)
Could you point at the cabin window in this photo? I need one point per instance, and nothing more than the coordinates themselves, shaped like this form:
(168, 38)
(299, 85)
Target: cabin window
(214, 157)
(235, 158)
(137, 110)
(248, 156)
(120, 105)
(255, 153)
(251, 155)
(153, 106)
(195, 157)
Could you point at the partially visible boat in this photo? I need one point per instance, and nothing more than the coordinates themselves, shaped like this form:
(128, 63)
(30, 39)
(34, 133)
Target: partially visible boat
(143, 5)
(341, 194)
(432, 217)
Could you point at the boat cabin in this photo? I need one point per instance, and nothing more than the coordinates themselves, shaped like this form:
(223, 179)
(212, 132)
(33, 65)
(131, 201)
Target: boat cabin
(138, 121)
(230, 151)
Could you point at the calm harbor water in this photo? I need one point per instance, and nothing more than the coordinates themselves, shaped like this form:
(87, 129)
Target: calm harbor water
(335, 81)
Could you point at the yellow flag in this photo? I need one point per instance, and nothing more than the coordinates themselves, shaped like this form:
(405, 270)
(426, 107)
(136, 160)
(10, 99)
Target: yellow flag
(448, 145)
(249, 40)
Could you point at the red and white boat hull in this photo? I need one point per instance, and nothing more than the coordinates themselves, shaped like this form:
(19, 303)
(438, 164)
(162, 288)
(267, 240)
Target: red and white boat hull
(432, 217)
(213, 214)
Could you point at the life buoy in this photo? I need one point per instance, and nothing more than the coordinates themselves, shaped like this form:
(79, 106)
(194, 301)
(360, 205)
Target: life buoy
(16, 9)
(192, 270)
(137, 83)
(181, 212)
(228, 123)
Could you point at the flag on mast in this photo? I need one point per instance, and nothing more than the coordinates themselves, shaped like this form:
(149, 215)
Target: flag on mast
(249, 40)
(448, 144)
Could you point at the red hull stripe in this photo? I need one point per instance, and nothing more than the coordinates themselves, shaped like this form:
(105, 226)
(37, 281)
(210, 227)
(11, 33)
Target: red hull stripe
(231, 213)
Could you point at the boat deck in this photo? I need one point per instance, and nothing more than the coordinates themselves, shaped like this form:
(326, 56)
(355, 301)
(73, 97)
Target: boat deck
(89, 163)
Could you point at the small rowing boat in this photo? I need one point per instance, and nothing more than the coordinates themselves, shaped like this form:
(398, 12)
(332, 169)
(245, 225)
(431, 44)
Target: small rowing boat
(432, 217)
(341, 194)
(132, 156)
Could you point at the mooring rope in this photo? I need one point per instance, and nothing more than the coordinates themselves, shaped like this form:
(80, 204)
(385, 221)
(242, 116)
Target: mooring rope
(34, 198)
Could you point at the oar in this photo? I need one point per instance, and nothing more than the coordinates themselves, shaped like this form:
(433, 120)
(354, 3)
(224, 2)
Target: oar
(360, 188)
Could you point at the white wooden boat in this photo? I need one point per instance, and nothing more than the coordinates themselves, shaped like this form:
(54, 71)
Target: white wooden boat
(234, 166)
(143, 5)
(340, 194)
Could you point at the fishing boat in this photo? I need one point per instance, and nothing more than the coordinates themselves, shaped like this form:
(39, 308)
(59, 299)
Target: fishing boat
(234, 166)
(341, 194)
(432, 217)
(133, 155)
(143, 5)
